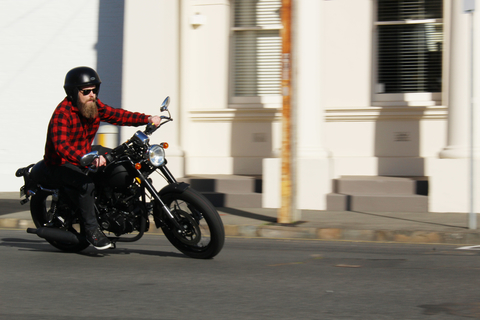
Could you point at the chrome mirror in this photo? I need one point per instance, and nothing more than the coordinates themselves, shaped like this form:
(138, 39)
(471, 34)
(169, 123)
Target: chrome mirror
(87, 159)
(165, 104)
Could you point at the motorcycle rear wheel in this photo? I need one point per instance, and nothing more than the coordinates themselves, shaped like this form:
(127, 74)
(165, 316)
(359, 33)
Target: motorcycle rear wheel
(39, 211)
(205, 234)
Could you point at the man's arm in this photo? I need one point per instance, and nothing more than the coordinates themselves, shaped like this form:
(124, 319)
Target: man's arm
(120, 116)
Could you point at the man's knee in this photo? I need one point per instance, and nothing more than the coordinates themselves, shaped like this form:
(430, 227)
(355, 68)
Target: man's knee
(87, 188)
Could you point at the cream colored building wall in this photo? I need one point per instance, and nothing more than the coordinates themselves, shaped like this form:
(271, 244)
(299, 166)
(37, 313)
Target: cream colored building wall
(204, 84)
(347, 53)
(359, 133)
(363, 138)
(182, 48)
(151, 69)
(451, 179)
(217, 137)
(40, 41)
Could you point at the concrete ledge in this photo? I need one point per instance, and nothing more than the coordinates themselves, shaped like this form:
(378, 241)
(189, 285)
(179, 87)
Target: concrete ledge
(337, 202)
(398, 236)
(467, 237)
(11, 223)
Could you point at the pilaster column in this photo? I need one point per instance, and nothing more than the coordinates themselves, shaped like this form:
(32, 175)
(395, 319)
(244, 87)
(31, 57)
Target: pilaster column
(476, 78)
(458, 135)
(308, 79)
(312, 163)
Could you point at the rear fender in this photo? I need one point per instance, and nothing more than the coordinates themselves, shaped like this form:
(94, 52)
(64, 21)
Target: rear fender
(21, 172)
(29, 186)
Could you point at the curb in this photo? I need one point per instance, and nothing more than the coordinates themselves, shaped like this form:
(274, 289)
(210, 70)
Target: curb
(13, 223)
(292, 232)
(396, 236)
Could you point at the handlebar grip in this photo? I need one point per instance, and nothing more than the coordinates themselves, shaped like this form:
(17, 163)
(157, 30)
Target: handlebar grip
(108, 157)
(151, 127)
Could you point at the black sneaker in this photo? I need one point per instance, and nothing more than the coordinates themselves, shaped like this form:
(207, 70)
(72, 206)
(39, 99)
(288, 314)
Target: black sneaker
(98, 239)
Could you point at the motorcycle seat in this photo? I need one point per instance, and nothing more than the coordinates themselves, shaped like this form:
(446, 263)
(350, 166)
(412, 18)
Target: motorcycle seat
(41, 175)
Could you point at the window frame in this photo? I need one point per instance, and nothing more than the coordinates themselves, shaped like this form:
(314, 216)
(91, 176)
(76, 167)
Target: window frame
(409, 98)
(265, 101)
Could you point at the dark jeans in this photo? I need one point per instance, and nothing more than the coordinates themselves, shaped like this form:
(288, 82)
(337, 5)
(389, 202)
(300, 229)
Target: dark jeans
(73, 177)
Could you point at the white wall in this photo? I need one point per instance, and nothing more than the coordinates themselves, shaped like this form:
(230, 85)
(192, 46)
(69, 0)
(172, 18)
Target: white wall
(151, 69)
(347, 52)
(204, 86)
(40, 41)
(145, 50)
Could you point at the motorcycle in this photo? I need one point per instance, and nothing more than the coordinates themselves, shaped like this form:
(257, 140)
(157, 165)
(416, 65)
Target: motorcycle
(125, 199)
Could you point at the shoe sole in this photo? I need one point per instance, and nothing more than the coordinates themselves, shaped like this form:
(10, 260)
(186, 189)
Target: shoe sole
(110, 245)
(104, 247)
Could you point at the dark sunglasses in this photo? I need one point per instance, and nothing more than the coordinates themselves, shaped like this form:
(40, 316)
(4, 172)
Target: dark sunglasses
(87, 92)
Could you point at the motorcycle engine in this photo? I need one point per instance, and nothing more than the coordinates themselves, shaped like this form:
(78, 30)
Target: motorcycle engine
(120, 216)
(118, 222)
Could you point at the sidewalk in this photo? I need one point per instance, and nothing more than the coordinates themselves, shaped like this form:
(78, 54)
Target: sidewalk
(448, 228)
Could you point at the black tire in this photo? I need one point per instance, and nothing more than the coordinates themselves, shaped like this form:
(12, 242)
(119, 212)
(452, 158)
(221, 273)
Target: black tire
(39, 209)
(205, 232)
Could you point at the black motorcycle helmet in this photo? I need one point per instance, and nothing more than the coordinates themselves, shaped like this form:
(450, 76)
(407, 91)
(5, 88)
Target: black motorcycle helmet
(80, 77)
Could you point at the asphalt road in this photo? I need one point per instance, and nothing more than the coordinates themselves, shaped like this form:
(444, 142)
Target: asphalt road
(249, 279)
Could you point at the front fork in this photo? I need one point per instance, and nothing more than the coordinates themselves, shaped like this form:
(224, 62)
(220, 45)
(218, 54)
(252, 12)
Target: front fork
(171, 180)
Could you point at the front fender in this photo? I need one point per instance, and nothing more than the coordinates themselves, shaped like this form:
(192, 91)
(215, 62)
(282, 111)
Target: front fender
(174, 188)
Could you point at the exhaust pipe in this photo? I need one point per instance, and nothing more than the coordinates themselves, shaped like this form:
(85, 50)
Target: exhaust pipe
(55, 235)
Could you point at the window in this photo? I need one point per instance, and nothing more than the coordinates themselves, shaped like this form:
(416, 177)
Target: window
(409, 46)
(257, 48)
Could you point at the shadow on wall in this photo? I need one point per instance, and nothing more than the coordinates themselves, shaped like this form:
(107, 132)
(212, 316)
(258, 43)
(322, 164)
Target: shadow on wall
(110, 52)
(397, 146)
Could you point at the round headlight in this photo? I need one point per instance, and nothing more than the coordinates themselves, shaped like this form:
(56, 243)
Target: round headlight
(156, 155)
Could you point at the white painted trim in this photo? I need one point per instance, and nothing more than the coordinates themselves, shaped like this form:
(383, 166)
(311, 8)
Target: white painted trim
(417, 99)
(235, 115)
(386, 113)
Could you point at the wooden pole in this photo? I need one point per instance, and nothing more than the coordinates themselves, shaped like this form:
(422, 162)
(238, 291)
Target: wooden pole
(286, 211)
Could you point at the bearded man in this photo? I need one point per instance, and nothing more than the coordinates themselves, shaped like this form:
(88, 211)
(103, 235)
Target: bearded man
(70, 135)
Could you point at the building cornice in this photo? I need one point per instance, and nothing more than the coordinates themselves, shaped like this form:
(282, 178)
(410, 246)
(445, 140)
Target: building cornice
(345, 114)
(385, 113)
(230, 115)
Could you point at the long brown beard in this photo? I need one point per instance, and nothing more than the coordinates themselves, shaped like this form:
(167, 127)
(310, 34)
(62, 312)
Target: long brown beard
(89, 109)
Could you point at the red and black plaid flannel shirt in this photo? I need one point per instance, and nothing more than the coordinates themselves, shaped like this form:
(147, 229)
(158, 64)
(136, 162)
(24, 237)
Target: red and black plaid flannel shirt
(70, 135)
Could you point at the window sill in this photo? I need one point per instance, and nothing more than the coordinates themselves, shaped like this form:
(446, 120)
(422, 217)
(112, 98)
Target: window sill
(423, 99)
(236, 114)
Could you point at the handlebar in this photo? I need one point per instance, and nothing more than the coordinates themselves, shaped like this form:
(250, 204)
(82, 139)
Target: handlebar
(151, 128)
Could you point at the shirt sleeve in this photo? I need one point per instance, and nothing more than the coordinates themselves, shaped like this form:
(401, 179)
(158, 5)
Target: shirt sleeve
(120, 117)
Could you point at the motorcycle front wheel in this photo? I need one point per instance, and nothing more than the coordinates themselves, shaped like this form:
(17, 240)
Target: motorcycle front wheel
(40, 210)
(204, 233)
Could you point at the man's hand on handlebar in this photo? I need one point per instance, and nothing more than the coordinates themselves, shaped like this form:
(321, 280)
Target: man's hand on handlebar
(99, 162)
(155, 120)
